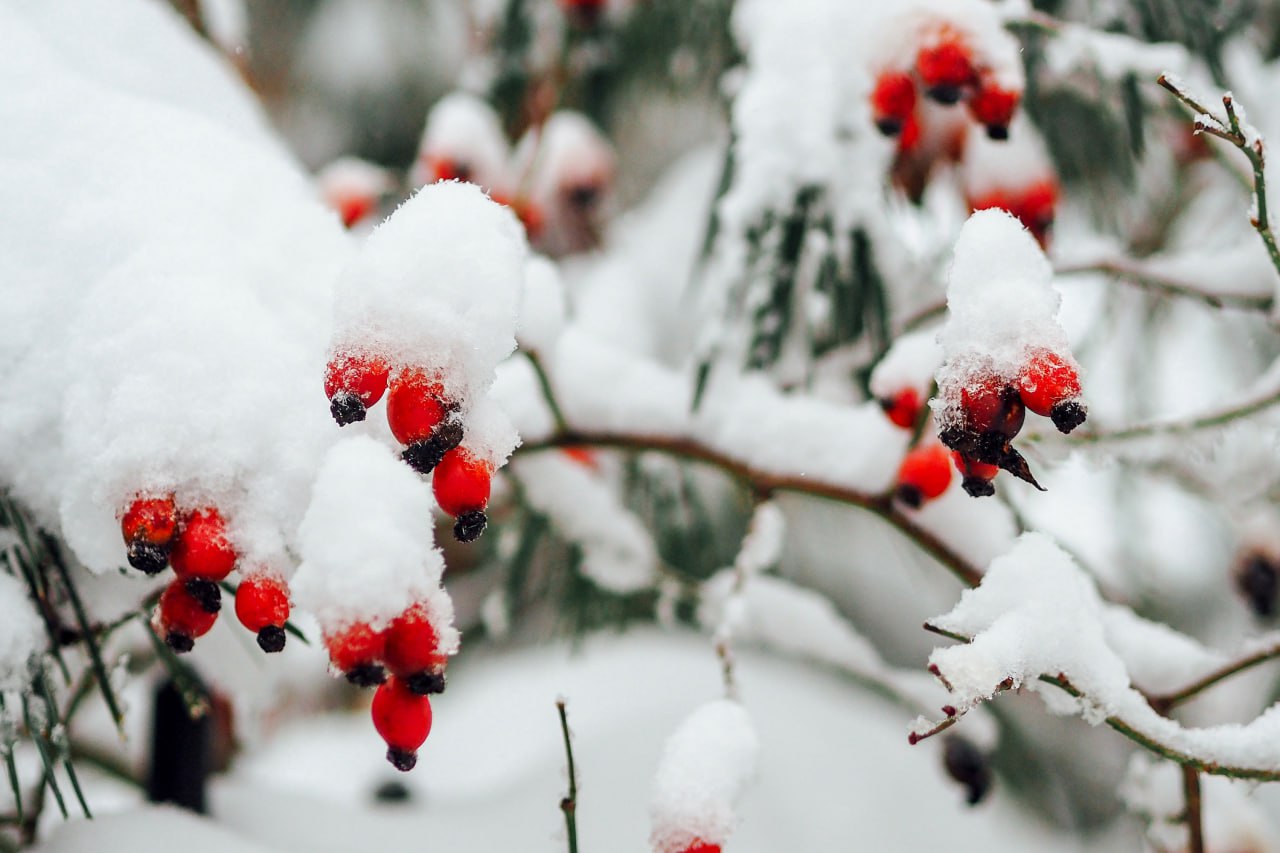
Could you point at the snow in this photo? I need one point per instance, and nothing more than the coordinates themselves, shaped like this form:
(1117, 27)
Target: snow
(150, 829)
(464, 131)
(704, 767)
(22, 634)
(542, 307)
(910, 363)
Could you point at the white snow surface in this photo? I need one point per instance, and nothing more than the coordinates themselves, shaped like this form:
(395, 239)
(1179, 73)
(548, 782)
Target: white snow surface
(22, 634)
(705, 765)
(465, 130)
(910, 363)
(150, 829)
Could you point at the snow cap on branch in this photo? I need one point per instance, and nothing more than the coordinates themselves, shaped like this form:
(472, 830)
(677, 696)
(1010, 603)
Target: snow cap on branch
(21, 634)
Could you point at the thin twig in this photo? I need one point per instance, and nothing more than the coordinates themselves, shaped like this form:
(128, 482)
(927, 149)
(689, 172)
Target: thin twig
(1124, 271)
(1195, 826)
(544, 382)
(569, 804)
(1208, 420)
(1171, 700)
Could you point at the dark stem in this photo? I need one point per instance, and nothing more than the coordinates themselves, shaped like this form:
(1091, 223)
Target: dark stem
(544, 382)
(1191, 792)
(1170, 700)
(569, 805)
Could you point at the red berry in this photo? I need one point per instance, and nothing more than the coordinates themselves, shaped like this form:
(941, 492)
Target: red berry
(447, 169)
(893, 100)
(201, 548)
(262, 606)
(181, 616)
(1033, 206)
(412, 645)
(993, 108)
(461, 483)
(945, 66)
(415, 406)
(403, 719)
(356, 651)
(701, 847)
(909, 139)
(150, 520)
(924, 474)
(903, 408)
(353, 208)
(990, 406)
(976, 476)
(1046, 381)
(357, 372)
(584, 456)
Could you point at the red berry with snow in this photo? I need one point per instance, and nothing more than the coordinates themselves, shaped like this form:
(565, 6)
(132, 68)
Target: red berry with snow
(924, 475)
(415, 406)
(893, 100)
(353, 381)
(1034, 206)
(903, 408)
(1050, 386)
(945, 66)
(403, 719)
(976, 476)
(993, 107)
(701, 847)
(201, 550)
(148, 526)
(356, 651)
(461, 485)
(413, 652)
(262, 606)
(182, 614)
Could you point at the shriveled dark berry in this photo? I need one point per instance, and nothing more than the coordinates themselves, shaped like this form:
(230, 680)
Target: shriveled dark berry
(367, 675)
(469, 526)
(347, 408)
(966, 764)
(206, 593)
(423, 456)
(1068, 415)
(180, 643)
(271, 639)
(1258, 581)
(148, 557)
(426, 683)
(402, 759)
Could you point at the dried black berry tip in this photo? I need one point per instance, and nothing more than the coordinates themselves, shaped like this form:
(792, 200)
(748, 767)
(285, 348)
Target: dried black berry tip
(1067, 415)
(180, 643)
(469, 526)
(945, 94)
(966, 764)
(998, 132)
(346, 408)
(206, 593)
(426, 683)
(1258, 581)
(148, 557)
(889, 127)
(367, 675)
(976, 487)
(402, 759)
(271, 639)
(423, 456)
(910, 495)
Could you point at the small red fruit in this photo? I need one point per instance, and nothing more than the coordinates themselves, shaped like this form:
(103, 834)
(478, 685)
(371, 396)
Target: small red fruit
(977, 476)
(415, 405)
(148, 526)
(355, 651)
(461, 485)
(993, 107)
(945, 66)
(909, 139)
(893, 100)
(991, 406)
(924, 475)
(903, 408)
(201, 549)
(353, 381)
(403, 719)
(182, 616)
(446, 169)
(701, 847)
(413, 652)
(1033, 206)
(262, 606)
(1049, 386)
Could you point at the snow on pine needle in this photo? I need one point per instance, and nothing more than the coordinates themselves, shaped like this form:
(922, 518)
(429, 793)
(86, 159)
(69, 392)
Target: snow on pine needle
(22, 634)
(705, 766)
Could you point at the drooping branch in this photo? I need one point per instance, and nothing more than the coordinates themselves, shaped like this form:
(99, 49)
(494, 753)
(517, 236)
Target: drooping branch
(1167, 701)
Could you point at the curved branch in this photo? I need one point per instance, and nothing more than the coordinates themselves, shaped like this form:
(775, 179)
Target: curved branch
(1167, 701)
(1149, 280)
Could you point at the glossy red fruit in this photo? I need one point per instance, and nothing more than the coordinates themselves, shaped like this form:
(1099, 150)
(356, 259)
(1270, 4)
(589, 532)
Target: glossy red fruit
(356, 651)
(945, 67)
(353, 381)
(1034, 206)
(893, 100)
(461, 483)
(151, 520)
(201, 549)
(993, 107)
(909, 139)
(924, 474)
(262, 606)
(413, 652)
(415, 405)
(403, 719)
(903, 408)
(990, 405)
(181, 617)
(975, 476)
(702, 847)
(1046, 380)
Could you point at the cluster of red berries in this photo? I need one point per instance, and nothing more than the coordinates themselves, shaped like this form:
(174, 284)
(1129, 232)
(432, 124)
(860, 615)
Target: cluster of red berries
(195, 543)
(1034, 206)
(423, 419)
(992, 410)
(948, 70)
(408, 649)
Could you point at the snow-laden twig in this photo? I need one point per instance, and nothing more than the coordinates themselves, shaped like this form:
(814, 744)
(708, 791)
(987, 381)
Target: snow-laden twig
(1267, 652)
(1130, 272)
(1243, 136)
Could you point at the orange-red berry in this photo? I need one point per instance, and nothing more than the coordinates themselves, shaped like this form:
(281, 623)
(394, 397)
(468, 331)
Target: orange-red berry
(1049, 386)
(993, 107)
(183, 615)
(1034, 206)
(356, 651)
(701, 847)
(201, 550)
(262, 606)
(893, 100)
(403, 719)
(945, 67)
(415, 405)
(976, 476)
(353, 381)
(148, 526)
(413, 652)
(903, 408)
(924, 475)
(461, 484)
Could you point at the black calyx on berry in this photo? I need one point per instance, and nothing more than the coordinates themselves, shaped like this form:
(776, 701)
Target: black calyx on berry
(944, 94)
(976, 487)
(426, 683)
(347, 408)
(1068, 415)
(271, 639)
(966, 764)
(205, 592)
(402, 759)
(367, 675)
(469, 526)
(998, 132)
(179, 642)
(423, 456)
(147, 557)
(909, 496)
(889, 126)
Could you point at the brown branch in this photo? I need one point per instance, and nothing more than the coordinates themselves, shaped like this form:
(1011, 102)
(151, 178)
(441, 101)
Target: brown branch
(1136, 275)
(1195, 826)
(1166, 702)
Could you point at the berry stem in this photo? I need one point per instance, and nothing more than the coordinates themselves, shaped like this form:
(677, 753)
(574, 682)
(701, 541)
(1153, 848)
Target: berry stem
(569, 804)
(544, 382)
